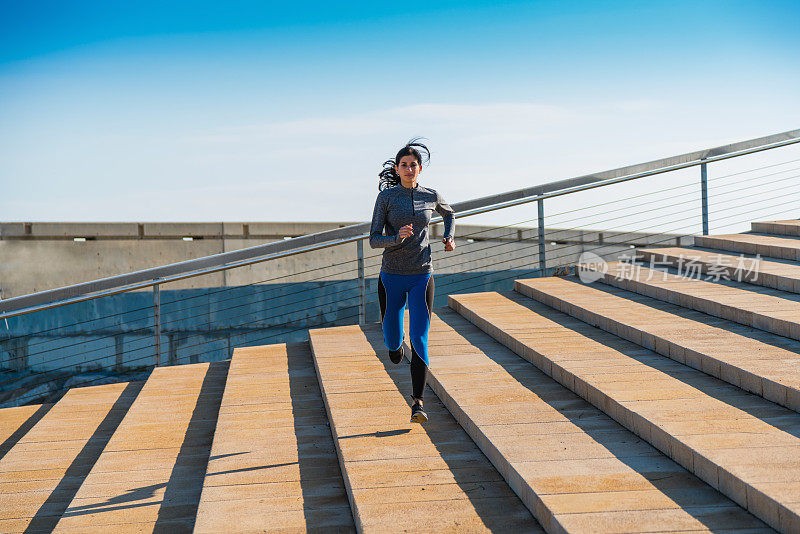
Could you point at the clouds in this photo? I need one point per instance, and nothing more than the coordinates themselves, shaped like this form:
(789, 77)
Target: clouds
(490, 116)
(325, 167)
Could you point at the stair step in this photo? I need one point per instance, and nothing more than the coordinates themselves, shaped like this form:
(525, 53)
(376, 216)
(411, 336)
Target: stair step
(742, 445)
(428, 477)
(788, 227)
(756, 361)
(763, 308)
(16, 422)
(574, 467)
(771, 246)
(41, 473)
(150, 474)
(777, 274)
(273, 461)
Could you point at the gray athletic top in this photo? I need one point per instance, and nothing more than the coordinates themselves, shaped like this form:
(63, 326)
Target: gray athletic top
(396, 207)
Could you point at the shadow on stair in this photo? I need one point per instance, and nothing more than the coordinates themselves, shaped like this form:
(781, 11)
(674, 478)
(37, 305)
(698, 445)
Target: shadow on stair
(777, 416)
(50, 512)
(401, 376)
(182, 494)
(23, 429)
(763, 336)
(673, 484)
(321, 482)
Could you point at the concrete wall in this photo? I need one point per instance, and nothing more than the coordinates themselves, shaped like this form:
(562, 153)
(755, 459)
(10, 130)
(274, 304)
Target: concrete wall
(203, 319)
(39, 256)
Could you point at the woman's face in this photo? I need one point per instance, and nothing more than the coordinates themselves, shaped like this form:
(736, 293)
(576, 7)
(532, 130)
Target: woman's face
(409, 170)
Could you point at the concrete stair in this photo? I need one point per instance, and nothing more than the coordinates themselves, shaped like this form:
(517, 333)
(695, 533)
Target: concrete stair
(45, 467)
(149, 474)
(789, 227)
(16, 422)
(776, 274)
(643, 402)
(574, 467)
(740, 444)
(767, 258)
(755, 361)
(272, 459)
(762, 308)
(772, 239)
(403, 476)
(771, 246)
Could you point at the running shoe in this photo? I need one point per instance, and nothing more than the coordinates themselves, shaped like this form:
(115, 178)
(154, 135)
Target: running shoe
(417, 414)
(397, 355)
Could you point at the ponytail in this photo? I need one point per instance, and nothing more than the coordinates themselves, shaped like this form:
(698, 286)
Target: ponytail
(388, 177)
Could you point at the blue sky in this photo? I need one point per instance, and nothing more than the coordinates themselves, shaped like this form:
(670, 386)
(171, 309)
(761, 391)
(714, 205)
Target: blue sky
(284, 111)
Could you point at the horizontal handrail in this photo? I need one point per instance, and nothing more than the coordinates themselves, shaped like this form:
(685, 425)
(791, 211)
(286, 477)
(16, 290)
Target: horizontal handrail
(218, 262)
(172, 278)
(712, 154)
(578, 184)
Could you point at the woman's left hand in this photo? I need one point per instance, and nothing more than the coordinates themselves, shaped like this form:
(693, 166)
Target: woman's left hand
(449, 243)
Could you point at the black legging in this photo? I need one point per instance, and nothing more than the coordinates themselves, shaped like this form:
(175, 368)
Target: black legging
(419, 371)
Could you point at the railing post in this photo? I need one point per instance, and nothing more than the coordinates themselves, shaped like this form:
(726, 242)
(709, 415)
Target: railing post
(704, 195)
(119, 351)
(542, 258)
(157, 314)
(362, 301)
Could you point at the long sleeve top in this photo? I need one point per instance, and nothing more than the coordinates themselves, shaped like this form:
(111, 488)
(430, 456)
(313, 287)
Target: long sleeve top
(396, 207)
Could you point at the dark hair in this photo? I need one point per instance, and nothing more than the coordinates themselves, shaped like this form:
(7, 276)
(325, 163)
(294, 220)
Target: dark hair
(388, 176)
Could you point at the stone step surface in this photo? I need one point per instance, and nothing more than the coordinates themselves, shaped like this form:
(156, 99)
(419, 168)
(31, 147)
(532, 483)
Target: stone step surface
(44, 469)
(273, 464)
(741, 444)
(788, 227)
(715, 265)
(756, 361)
(150, 474)
(16, 422)
(575, 468)
(403, 476)
(763, 308)
(772, 246)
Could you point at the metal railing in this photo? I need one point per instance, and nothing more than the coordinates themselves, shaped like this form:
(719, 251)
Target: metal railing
(248, 256)
(553, 247)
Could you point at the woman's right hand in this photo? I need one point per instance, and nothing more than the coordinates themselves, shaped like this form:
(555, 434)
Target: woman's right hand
(406, 231)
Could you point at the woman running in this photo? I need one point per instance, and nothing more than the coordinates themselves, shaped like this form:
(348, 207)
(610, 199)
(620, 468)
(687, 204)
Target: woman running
(404, 209)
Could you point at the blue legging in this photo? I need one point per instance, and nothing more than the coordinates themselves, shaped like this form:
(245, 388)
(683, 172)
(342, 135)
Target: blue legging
(394, 290)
